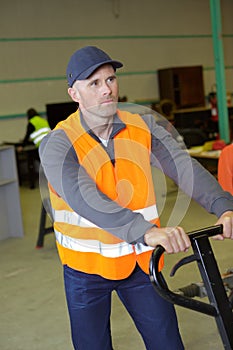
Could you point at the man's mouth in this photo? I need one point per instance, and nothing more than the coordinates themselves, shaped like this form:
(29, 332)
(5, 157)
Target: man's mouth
(107, 101)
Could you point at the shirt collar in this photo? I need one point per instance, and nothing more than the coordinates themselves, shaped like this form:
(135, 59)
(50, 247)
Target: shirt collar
(118, 125)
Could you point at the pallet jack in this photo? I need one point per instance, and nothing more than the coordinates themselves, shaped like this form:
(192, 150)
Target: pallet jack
(218, 289)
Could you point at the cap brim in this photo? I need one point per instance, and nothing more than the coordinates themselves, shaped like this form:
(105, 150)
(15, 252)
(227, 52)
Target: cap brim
(86, 74)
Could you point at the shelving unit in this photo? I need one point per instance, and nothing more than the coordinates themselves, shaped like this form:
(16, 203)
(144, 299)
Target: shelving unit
(10, 208)
(182, 85)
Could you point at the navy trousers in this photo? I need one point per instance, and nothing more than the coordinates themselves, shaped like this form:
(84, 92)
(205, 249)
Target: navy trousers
(89, 305)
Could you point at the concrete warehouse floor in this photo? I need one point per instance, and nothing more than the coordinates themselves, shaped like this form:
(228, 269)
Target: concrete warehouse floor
(32, 301)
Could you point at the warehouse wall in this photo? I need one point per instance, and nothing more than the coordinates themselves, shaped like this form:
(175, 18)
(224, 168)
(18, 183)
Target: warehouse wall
(38, 37)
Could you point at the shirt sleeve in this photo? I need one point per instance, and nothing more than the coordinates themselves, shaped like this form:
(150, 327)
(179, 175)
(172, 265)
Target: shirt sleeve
(186, 172)
(29, 131)
(70, 180)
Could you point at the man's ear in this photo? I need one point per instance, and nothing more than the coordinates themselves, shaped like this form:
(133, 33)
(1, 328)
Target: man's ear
(73, 94)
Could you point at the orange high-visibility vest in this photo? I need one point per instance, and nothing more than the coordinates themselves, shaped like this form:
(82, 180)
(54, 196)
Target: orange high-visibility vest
(81, 244)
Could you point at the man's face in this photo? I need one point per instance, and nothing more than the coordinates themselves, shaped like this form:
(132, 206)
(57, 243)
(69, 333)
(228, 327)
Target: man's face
(97, 95)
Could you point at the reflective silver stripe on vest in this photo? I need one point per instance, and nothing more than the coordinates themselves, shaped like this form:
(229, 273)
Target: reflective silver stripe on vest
(94, 246)
(141, 248)
(38, 135)
(72, 218)
(149, 213)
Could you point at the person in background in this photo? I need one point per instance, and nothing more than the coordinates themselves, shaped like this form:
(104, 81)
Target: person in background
(98, 166)
(225, 168)
(37, 128)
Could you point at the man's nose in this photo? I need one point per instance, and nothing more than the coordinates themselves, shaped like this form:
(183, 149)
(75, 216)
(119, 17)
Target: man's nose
(106, 89)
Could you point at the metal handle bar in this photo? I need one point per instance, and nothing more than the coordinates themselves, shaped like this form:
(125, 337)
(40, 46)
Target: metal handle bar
(160, 285)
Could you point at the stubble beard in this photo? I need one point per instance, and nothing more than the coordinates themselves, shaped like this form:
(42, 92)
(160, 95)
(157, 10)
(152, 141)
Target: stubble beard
(104, 111)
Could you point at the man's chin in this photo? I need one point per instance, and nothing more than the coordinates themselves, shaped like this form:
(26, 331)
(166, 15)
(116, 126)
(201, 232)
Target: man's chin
(103, 110)
(109, 108)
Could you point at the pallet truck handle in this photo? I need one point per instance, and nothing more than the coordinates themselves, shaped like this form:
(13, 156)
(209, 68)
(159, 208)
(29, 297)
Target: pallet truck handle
(219, 305)
(160, 285)
(196, 235)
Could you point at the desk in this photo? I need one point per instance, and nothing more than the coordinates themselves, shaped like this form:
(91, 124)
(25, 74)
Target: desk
(192, 117)
(209, 159)
(195, 117)
(28, 156)
(10, 209)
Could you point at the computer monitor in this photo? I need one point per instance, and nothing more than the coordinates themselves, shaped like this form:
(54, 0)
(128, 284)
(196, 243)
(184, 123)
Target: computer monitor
(57, 112)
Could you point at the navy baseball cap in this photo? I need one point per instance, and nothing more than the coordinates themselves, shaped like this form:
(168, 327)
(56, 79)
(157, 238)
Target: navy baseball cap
(85, 61)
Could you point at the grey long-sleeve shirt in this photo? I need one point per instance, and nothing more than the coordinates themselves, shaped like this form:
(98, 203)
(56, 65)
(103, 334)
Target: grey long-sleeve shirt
(70, 180)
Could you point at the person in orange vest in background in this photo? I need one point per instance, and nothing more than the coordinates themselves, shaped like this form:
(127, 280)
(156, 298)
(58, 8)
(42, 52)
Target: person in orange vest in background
(98, 166)
(225, 168)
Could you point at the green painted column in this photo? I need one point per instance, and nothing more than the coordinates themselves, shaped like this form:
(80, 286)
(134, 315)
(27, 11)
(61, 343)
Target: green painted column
(223, 122)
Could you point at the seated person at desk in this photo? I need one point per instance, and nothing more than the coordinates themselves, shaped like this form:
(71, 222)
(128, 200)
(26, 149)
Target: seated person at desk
(225, 168)
(37, 128)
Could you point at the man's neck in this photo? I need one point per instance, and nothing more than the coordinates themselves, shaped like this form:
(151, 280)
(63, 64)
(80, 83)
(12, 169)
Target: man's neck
(103, 131)
(101, 127)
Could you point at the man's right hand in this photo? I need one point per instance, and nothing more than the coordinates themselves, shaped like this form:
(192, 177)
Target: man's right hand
(172, 239)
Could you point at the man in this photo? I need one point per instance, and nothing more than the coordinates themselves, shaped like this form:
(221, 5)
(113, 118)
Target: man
(37, 128)
(97, 163)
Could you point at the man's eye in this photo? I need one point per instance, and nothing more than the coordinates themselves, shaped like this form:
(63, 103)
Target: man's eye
(94, 83)
(111, 79)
